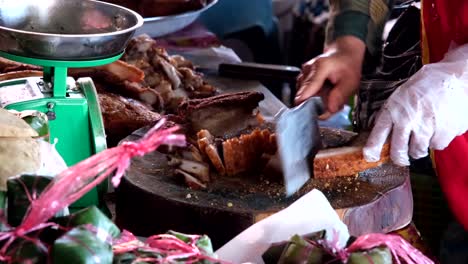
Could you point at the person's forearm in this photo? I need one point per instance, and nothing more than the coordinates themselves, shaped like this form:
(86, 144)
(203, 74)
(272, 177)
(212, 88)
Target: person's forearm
(360, 19)
(350, 45)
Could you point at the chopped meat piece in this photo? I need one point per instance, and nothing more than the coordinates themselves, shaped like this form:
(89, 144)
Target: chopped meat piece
(241, 99)
(172, 76)
(200, 170)
(190, 79)
(144, 94)
(123, 116)
(203, 91)
(192, 153)
(181, 62)
(125, 71)
(192, 182)
(207, 146)
(170, 71)
(115, 72)
(222, 115)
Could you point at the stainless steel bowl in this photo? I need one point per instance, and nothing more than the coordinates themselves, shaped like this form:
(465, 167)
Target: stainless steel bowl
(65, 29)
(164, 25)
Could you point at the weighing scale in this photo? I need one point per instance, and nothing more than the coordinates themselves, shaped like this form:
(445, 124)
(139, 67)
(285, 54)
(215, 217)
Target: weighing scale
(58, 35)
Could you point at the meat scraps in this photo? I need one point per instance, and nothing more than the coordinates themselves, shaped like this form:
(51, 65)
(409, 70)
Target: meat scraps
(229, 133)
(173, 77)
(146, 79)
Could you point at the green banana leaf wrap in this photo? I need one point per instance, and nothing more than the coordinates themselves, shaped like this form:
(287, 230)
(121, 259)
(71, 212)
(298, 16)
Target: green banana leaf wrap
(90, 216)
(21, 191)
(37, 120)
(37, 235)
(3, 207)
(81, 245)
(172, 247)
(367, 249)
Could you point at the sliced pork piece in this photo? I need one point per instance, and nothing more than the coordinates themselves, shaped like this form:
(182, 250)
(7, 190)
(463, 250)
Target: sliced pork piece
(179, 62)
(207, 146)
(170, 71)
(199, 170)
(115, 72)
(192, 182)
(123, 116)
(222, 115)
(173, 74)
(191, 79)
(145, 95)
(192, 153)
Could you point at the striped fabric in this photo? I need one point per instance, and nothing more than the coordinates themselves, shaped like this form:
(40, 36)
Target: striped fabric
(401, 58)
(364, 19)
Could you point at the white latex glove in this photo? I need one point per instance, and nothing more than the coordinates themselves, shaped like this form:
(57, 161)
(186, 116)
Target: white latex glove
(428, 111)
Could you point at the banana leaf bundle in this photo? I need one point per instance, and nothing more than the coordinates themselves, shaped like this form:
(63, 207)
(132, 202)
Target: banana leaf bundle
(85, 236)
(172, 247)
(20, 191)
(38, 121)
(35, 229)
(368, 249)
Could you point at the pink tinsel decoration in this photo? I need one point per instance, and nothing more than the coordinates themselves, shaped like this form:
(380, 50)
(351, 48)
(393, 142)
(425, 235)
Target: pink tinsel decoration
(73, 183)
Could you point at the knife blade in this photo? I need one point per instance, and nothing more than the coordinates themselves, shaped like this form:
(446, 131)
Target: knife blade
(297, 129)
(299, 140)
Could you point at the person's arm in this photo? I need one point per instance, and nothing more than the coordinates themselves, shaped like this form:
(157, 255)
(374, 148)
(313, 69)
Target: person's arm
(363, 19)
(354, 25)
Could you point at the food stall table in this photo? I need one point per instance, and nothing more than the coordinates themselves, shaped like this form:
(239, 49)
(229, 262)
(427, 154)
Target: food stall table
(149, 201)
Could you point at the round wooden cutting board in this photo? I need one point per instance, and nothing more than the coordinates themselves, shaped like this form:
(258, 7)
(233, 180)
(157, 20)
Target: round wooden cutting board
(151, 200)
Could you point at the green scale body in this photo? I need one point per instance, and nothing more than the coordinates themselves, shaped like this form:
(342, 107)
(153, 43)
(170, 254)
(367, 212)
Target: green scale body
(72, 108)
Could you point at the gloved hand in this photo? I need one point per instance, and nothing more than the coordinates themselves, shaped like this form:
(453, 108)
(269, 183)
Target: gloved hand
(428, 111)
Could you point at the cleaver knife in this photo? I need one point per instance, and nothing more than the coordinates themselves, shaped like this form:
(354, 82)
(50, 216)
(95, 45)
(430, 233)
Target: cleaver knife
(297, 129)
(299, 140)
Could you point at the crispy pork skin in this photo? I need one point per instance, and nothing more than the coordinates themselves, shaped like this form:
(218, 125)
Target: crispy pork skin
(243, 153)
(345, 161)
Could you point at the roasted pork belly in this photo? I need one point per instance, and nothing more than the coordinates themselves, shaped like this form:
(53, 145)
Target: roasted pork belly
(223, 115)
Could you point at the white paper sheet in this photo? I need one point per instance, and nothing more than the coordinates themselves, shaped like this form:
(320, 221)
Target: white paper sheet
(311, 213)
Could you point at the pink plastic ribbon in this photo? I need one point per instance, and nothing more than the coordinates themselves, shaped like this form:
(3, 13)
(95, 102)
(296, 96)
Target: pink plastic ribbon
(171, 248)
(400, 248)
(73, 183)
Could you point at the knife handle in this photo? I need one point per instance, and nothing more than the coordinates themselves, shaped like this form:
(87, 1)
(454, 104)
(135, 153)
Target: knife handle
(259, 72)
